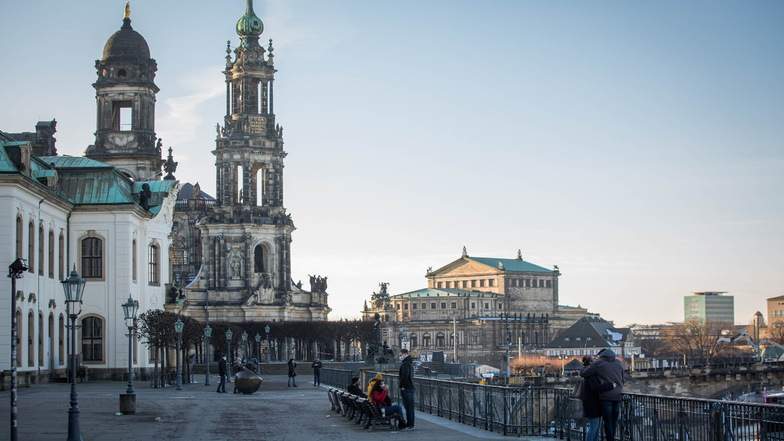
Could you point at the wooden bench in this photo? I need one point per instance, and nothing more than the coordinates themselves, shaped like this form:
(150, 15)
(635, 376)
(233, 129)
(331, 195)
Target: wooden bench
(360, 410)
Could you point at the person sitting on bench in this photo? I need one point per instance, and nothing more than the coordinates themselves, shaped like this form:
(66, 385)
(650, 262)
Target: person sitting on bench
(379, 397)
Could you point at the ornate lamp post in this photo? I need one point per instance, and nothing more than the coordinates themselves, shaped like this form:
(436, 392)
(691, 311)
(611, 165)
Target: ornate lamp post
(229, 335)
(15, 271)
(130, 308)
(178, 325)
(207, 334)
(244, 337)
(267, 330)
(74, 290)
(258, 353)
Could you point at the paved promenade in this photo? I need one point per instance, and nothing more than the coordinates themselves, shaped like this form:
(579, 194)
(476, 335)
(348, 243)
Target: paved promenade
(276, 412)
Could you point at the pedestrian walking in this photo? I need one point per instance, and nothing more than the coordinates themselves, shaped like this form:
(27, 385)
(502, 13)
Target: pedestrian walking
(292, 372)
(222, 371)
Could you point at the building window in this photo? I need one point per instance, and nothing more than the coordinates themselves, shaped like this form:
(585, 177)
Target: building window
(41, 250)
(154, 266)
(438, 284)
(92, 339)
(92, 258)
(454, 305)
(443, 305)
(122, 115)
(413, 340)
(527, 283)
(18, 337)
(473, 284)
(19, 237)
(259, 259)
(30, 334)
(426, 340)
(541, 283)
(482, 283)
(490, 282)
(40, 339)
(548, 284)
(465, 283)
(432, 305)
(500, 305)
(51, 254)
(30, 247)
(405, 305)
(440, 341)
(413, 306)
(448, 284)
(61, 340)
(424, 306)
(487, 305)
(473, 305)
(61, 256)
(566, 338)
(133, 259)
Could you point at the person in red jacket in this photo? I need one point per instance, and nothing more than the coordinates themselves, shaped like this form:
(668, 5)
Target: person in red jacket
(379, 397)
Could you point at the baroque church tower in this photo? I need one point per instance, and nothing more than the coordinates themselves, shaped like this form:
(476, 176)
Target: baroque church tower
(244, 237)
(125, 97)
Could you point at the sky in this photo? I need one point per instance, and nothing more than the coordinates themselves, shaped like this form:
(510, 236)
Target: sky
(639, 146)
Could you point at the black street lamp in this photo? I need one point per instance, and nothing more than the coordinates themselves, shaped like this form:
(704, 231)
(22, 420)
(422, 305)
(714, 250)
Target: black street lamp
(15, 271)
(207, 334)
(130, 308)
(245, 345)
(74, 290)
(258, 353)
(178, 325)
(229, 335)
(267, 330)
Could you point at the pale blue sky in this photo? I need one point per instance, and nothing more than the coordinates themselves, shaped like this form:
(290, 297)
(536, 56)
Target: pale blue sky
(639, 146)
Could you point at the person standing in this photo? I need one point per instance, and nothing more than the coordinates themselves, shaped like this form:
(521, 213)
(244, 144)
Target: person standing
(608, 370)
(406, 377)
(316, 365)
(222, 371)
(292, 372)
(592, 409)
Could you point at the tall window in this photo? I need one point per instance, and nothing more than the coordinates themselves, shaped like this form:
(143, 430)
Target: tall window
(61, 340)
(61, 256)
(133, 259)
(19, 337)
(92, 339)
(258, 259)
(413, 340)
(40, 339)
(440, 340)
(41, 250)
(51, 254)
(426, 340)
(31, 247)
(92, 258)
(154, 267)
(30, 335)
(19, 237)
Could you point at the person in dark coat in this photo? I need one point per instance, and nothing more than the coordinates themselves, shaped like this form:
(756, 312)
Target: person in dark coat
(222, 371)
(292, 372)
(609, 370)
(592, 409)
(316, 365)
(354, 389)
(406, 375)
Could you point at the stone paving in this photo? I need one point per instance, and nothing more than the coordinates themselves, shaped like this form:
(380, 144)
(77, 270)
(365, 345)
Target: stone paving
(276, 412)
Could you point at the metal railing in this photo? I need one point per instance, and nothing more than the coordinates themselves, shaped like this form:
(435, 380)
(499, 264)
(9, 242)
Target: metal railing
(548, 411)
(340, 378)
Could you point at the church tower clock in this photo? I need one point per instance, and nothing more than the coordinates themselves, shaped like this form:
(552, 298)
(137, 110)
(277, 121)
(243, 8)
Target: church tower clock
(125, 98)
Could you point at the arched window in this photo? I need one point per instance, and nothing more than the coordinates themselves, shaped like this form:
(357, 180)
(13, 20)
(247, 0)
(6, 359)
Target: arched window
(41, 250)
(426, 340)
(19, 237)
(92, 339)
(133, 259)
(51, 254)
(40, 339)
(259, 259)
(92, 258)
(440, 342)
(413, 340)
(30, 247)
(154, 266)
(61, 256)
(30, 336)
(51, 343)
(61, 340)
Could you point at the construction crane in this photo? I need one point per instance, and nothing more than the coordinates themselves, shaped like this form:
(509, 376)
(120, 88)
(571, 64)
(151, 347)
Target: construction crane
(750, 341)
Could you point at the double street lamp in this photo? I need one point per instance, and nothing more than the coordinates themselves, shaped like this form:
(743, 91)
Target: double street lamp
(74, 290)
(130, 308)
(207, 334)
(229, 335)
(178, 325)
(267, 330)
(15, 271)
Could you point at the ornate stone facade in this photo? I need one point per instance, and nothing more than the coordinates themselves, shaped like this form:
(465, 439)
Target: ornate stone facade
(242, 267)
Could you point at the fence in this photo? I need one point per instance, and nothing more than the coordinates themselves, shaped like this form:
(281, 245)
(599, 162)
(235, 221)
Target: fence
(547, 411)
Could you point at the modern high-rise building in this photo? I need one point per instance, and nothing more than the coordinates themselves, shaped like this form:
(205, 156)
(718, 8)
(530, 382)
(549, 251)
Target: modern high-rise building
(709, 306)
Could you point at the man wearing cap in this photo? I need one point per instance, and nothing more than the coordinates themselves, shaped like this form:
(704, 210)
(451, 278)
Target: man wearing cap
(354, 389)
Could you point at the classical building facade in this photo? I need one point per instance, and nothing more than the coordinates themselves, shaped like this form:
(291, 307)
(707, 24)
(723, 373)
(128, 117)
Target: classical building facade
(233, 252)
(108, 215)
(474, 307)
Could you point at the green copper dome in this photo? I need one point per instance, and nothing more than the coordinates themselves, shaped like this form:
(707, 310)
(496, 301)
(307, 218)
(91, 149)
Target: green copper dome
(249, 24)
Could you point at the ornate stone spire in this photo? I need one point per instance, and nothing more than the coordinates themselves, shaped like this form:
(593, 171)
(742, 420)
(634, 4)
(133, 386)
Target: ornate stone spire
(249, 27)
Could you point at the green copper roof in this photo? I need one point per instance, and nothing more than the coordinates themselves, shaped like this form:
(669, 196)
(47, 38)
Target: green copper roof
(447, 292)
(510, 264)
(249, 26)
(63, 162)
